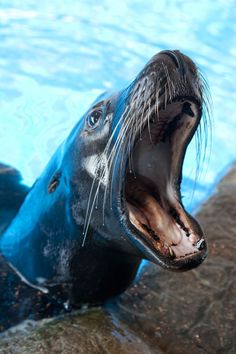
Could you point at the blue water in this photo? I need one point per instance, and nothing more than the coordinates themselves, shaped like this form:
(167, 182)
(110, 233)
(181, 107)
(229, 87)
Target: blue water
(57, 56)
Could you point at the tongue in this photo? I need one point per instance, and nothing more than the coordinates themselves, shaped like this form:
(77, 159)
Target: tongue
(156, 222)
(151, 214)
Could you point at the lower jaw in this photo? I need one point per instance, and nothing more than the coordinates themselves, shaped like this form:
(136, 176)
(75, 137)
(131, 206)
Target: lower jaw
(149, 252)
(144, 247)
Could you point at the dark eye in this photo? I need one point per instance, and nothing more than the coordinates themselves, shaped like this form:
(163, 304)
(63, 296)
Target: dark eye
(93, 118)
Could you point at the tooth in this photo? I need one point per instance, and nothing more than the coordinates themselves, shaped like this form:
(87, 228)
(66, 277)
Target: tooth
(200, 244)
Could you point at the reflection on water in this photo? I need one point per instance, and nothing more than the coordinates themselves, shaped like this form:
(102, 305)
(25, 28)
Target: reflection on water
(56, 57)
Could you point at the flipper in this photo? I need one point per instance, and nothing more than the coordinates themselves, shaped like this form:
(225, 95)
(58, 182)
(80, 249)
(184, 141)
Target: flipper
(12, 194)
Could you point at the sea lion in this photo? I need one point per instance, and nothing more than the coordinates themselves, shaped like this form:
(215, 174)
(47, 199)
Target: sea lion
(109, 197)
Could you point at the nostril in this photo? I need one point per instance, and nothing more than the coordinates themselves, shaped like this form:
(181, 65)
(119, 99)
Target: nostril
(187, 109)
(175, 56)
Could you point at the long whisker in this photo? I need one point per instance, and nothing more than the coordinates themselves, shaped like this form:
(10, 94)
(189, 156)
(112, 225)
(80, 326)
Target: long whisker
(90, 206)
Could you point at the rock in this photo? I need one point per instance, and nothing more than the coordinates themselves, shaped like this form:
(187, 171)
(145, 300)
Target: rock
(94, 331)
(163, 312)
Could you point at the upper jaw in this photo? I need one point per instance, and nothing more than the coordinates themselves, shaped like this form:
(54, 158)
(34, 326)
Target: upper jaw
(150, 205)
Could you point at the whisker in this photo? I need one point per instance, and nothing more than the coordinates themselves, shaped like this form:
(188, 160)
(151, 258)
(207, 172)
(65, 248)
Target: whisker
(142, 102)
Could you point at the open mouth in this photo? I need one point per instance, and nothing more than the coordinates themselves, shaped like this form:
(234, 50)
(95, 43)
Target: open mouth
(151, 197)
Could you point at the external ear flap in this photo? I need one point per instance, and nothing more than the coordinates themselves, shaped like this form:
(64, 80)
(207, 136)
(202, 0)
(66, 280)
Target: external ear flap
(12, 194)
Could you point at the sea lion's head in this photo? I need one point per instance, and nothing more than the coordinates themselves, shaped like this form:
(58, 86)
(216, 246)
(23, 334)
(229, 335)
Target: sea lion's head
(141, 135)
